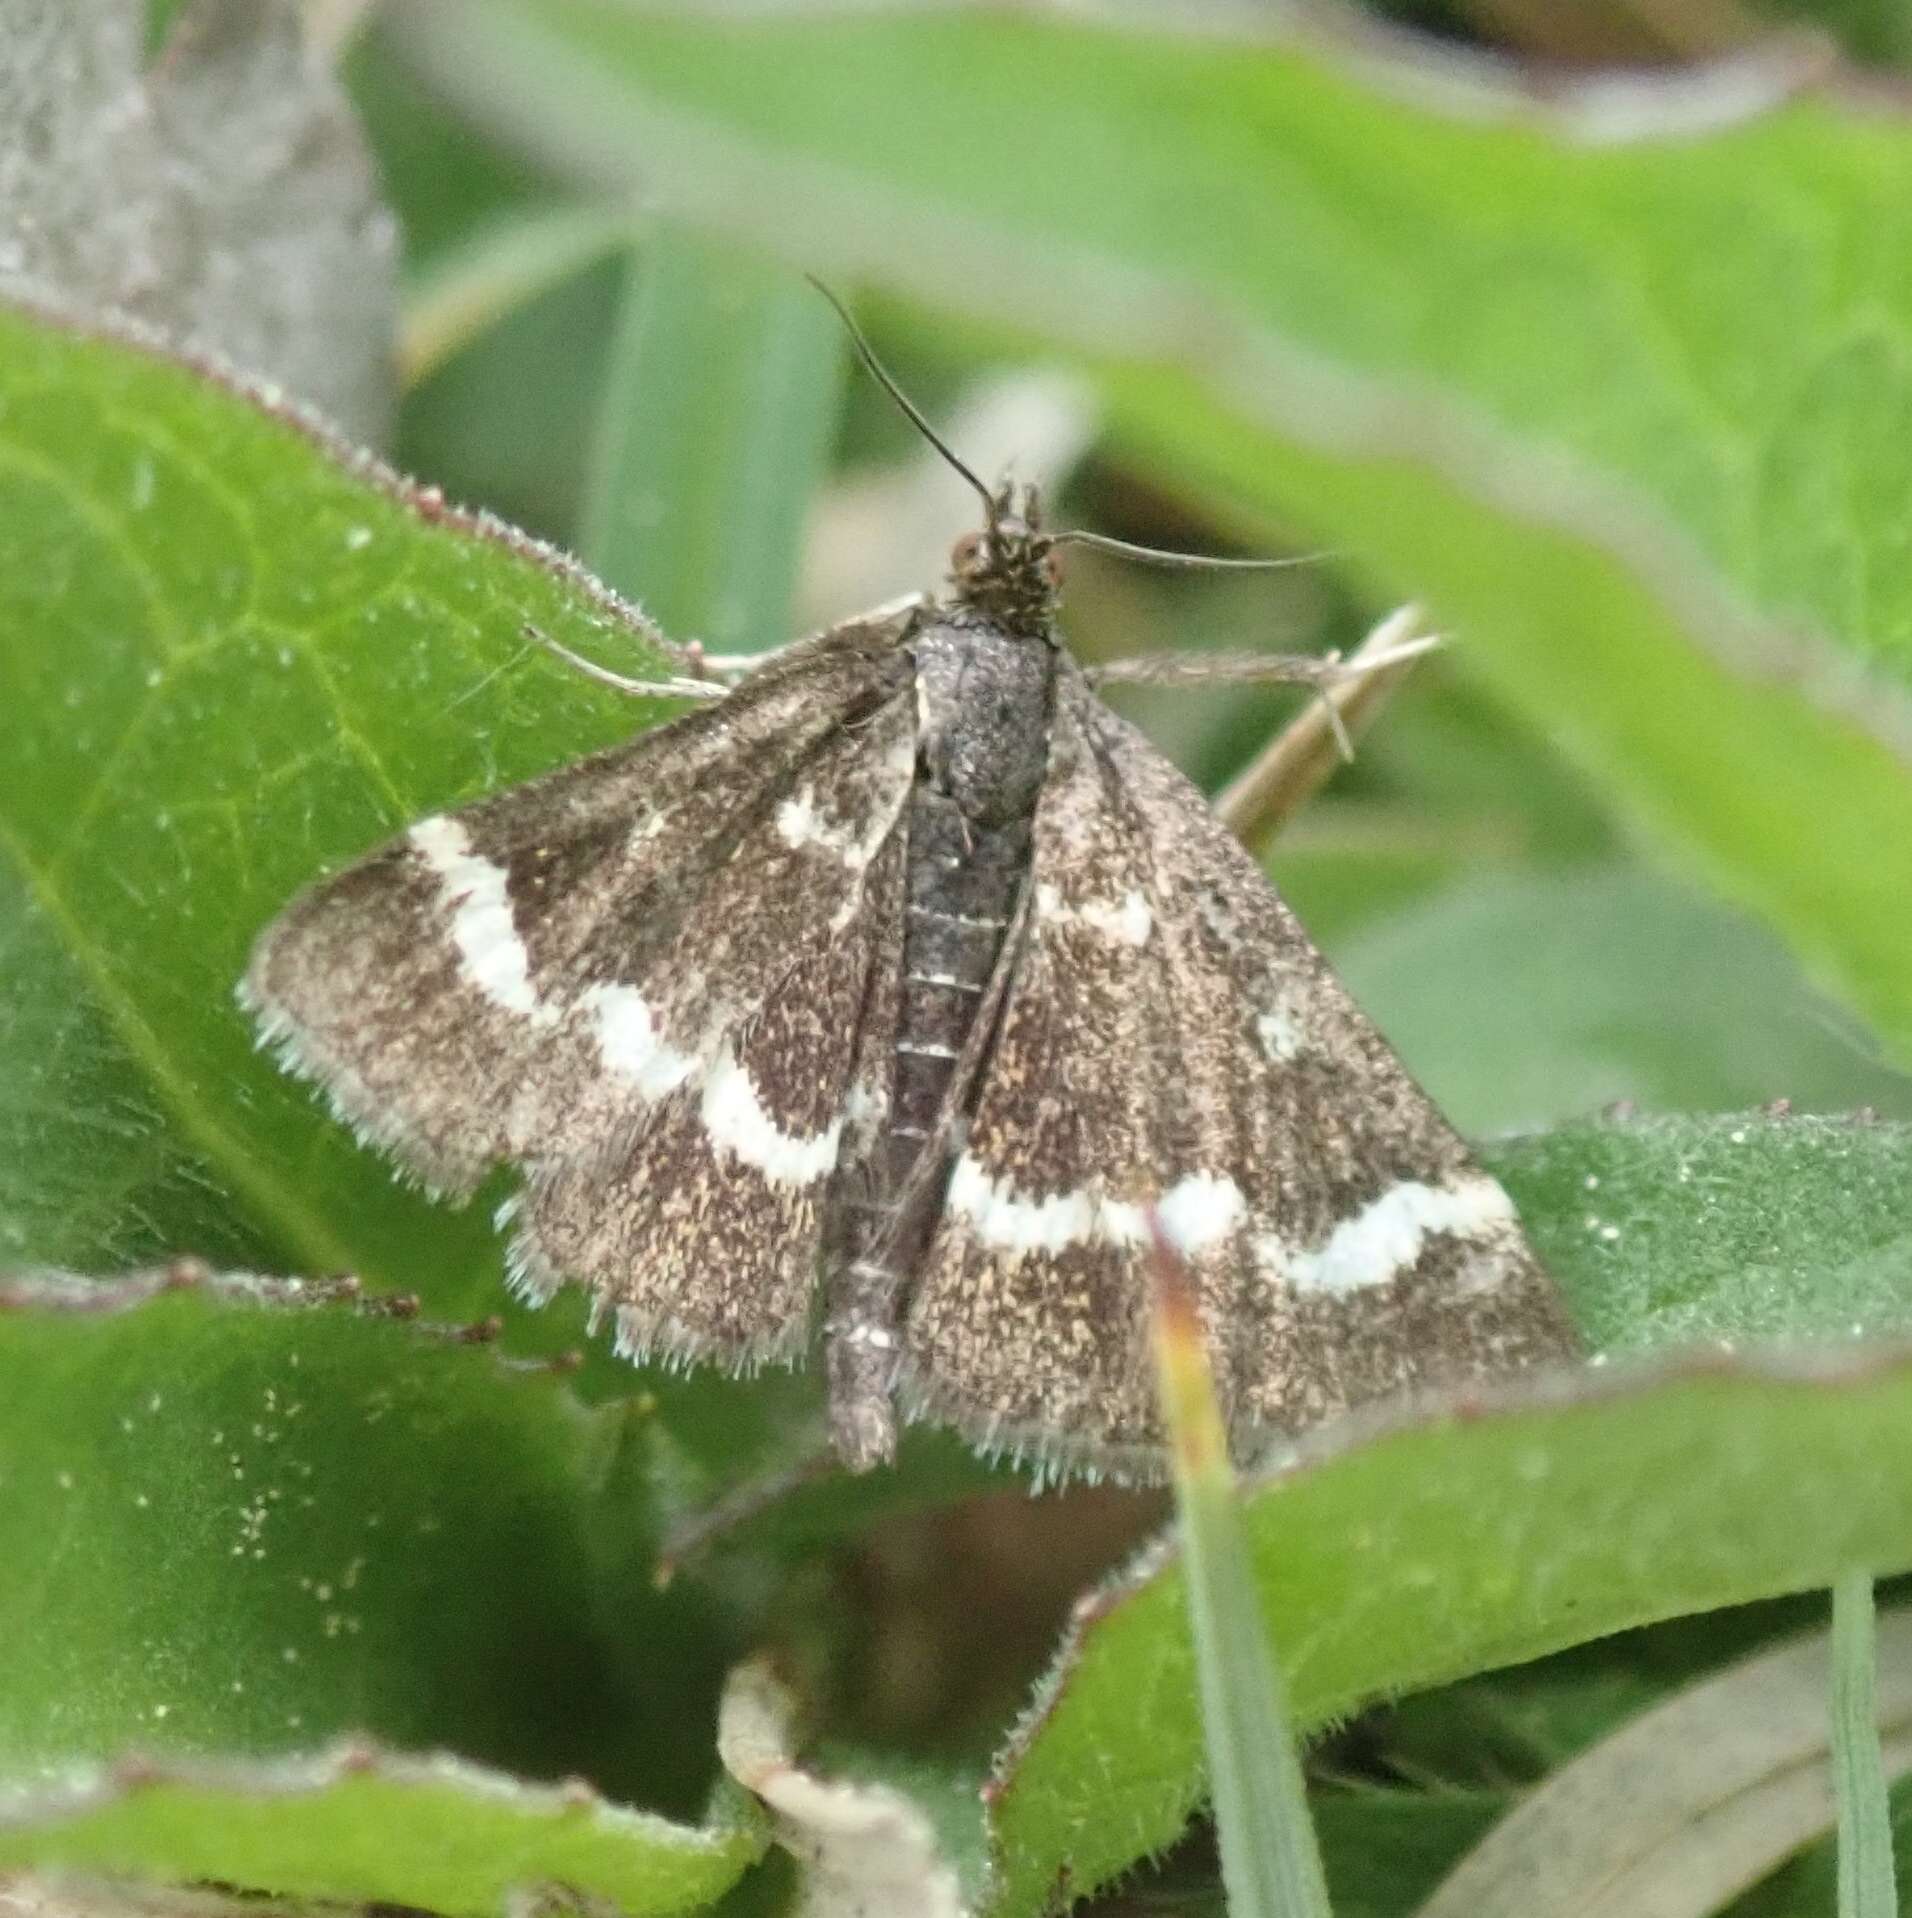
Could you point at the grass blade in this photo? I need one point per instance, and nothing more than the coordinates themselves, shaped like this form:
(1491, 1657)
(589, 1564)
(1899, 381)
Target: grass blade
(1685, 1807)
(1866, 1885)
(501, 267)
(1270, 1862)
(719, 416)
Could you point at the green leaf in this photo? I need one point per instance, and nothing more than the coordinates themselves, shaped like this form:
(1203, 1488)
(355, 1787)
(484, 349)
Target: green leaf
(510, 419)
(471, 286)
(1507, 1728)
(362, 1826)
(243, 1523)
(243, 655)
(1386, 1850)
(1675, 1231)
(1442, 790)
(1528, 1522)
(1866, 1885)
(1569, 373)
(1424, 1555)
(240, 656)
(1522, 999)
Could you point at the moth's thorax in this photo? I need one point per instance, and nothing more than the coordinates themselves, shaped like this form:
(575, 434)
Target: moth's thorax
(985, 698)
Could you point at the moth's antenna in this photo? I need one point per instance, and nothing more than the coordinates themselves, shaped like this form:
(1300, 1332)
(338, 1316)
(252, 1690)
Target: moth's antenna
(880, 374)
(1103, 542)
(1185, 562)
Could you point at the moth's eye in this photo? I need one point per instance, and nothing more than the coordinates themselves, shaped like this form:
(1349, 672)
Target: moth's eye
(1052, 567)
(966, 552)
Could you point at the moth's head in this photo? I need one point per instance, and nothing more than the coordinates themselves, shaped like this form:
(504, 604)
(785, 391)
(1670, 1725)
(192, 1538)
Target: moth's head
(1008, 570)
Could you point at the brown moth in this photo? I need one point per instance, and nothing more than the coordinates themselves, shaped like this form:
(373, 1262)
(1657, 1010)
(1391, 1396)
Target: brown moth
(889, 1004)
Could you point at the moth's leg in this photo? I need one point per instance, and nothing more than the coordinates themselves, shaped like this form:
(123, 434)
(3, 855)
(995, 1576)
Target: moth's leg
(690, 1537)
(860, 1345)
(726, 669)
(1392, 643)
(680, 688)
(731, 667)
(1281, 779)
(1351, 691)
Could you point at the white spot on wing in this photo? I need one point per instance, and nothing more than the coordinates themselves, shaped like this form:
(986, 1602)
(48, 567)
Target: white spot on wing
(490, 953)
(1279, 1034)
(801, 822)
(1200, 1211)
(1127, 920)
(735, 1118)
(1195, 1213)
(630, 1043)
(1008, 1222)
(1387, 1236)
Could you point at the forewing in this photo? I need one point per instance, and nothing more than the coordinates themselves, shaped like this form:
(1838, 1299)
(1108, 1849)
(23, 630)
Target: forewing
(1172, 1046)
(519, 978)
(701, 1232)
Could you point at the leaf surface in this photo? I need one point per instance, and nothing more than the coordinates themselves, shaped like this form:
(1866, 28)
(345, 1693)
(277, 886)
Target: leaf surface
(241, 657)
(1524, 999)
(245, 1521)
(363, 1825)
(1520, 1521)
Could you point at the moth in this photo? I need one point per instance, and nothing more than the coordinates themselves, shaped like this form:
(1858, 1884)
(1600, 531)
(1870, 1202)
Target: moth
(893, 1004)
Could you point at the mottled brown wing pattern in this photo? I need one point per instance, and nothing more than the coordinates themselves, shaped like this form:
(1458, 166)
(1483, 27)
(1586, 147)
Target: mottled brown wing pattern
(1172, 1044)
(521, 979)
(701, 1234)
(697, 987)
(1007, 1327)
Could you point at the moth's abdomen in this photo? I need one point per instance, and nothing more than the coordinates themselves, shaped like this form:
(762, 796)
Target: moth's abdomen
(962, 889)
(983, 701)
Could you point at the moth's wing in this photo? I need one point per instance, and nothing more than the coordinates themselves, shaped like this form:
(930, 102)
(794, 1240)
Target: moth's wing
(701, 1233)
(518, 979)
(1172, 1042)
